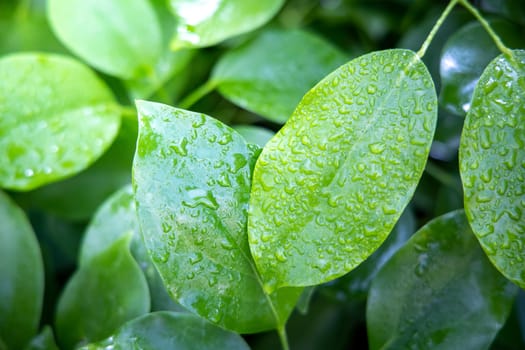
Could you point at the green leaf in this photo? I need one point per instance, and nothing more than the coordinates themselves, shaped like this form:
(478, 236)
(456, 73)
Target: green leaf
(464, 57)
(78, 197)
(254, 134)
(329, 187)
(115, 219)
(208, 22)
(356, 284)
(118, 37)
(492, 164)
(270, 74)
(44, 341)
(44, 138)
(438, 292)
(192, 179)
(103, 294)
(22, 281)
(170, 330)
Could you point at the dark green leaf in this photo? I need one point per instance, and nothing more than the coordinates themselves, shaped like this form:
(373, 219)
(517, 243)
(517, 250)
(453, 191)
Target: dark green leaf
(208, 22)
(169, 330)
(22, 277)
(44, 341)
(464, 57)
(270, 74)
(438, 292)
(119, 37)
(492, 164)
(103, 294)
(329, 187)
(192, 184)
(56, 118)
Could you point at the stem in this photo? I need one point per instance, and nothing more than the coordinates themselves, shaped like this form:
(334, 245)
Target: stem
(436, 27)
(197, 94)
(497, 40)
(283, 338)
(127, 112)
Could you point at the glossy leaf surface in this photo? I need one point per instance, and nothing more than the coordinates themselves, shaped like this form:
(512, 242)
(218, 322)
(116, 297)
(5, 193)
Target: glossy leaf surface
(465, 56)
(56, 118)
(329, 187)
(22, 277)
(192, 184)
(208, 22)
(169, 330)
(103, 294)
(77, 197)
(492, 164)
(118, 37)
(262, 77)
(438, 292)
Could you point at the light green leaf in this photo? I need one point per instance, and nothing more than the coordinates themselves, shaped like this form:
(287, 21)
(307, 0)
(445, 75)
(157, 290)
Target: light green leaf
(78, 197)
(115, 219)
(492, 164)
(118, 37)
(44, 341)
(208, 22)
(254, 134)
(170, 330)
(270, 74)
(22, 277)
(192, 179)
(438, 292)
(329, 187)
(103, 294)
(56, 118)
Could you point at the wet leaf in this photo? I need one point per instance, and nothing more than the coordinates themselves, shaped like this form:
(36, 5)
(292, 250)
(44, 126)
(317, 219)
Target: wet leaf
(103, 294)
(208, 22)
(464, 57)
(170, 330)
(44, 138)
(492, 164)
(22, 281)
(118, 37)
(192, 179)
(329, 187)
(261, 76)
(438, 292)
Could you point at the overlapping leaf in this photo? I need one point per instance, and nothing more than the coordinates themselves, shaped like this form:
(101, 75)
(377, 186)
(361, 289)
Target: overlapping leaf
(438, 292)
(103, 294)
(22, 277)
(56, 118)
(192, 179)
(329, 187)
(118, 37)
(270, 74)
(169, 330)
(208, 22)
(492, 164)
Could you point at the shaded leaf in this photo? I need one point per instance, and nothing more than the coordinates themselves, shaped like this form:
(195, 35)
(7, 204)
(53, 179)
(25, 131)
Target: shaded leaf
(44, 341)
(464, 57)
(103, 294)
(270, 74)
(254, 134)
(22, 271)
(169, 330)
(44, 138)
(329, 187)
(438, 292)
(192, 179)
(208, 22)
(118, 37)
(492, 164)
